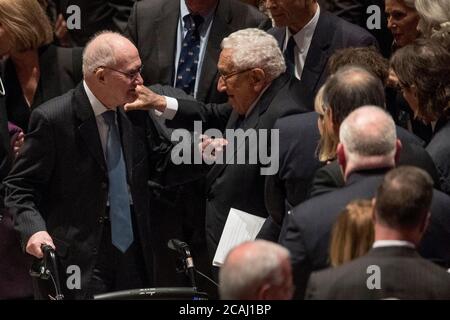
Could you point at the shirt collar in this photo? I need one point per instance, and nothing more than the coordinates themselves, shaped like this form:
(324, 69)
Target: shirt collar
(392, 243)
(97, 106)
(306, 33)
(256, 101)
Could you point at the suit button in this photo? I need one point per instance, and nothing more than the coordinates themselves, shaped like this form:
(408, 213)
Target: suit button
(101, 219)
(94, 250)
(104, 185)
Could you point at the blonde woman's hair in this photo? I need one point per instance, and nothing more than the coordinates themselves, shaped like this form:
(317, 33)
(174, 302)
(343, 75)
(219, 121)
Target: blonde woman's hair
(326, 149)
(353, 232)
(26, 23)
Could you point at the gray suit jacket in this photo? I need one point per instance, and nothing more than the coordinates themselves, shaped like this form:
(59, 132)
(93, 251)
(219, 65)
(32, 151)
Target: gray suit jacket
(153, 28)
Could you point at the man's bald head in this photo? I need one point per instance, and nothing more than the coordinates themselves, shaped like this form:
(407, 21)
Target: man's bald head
(105, 49)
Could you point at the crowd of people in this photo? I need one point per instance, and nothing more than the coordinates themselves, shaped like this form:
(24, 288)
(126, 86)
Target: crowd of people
(88, 117)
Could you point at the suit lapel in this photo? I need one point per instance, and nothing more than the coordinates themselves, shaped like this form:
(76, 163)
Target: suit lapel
(126, 131)
(166, 28)
(220, 26)
(88, 127)
(318, 52)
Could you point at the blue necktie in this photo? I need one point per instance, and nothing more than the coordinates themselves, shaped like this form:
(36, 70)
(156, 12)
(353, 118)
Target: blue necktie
(289, 56)
(119, 201)
(189, 54)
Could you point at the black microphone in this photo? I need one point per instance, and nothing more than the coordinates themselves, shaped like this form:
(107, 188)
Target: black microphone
(183, 249)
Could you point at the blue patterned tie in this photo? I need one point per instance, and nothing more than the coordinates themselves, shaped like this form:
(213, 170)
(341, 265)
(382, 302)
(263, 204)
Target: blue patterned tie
(119, 201)
(189, 54)
(289, 56)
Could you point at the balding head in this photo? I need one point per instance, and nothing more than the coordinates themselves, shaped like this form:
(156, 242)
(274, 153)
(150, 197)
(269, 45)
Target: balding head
(368, 140)
(254, 267)
(111, 68)
(350, 88)
(103, 49)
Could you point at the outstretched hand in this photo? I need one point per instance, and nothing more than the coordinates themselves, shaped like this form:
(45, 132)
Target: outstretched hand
(146, 100)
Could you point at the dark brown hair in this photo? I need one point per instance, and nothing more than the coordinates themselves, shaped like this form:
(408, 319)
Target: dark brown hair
(426, 65)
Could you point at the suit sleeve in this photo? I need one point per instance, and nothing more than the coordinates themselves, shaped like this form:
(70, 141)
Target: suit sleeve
(292, 239)
(30, 175)
(325, 180)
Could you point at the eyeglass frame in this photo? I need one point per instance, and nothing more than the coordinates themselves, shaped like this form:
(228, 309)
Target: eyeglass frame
(130, 75)
(225, 77)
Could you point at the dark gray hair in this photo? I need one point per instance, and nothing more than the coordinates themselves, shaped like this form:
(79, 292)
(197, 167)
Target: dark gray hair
(349, 88)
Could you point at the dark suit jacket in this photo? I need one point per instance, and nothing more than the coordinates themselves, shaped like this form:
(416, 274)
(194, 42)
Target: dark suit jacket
(403, 275)
(232, 185)
(332, 33)
(308, 228)
(153, 28)
(355, 11)
(60, 72)
(306, 231)
(299, 136)
(97, 15)
(439, 150)
(330, 177)
(59, 182)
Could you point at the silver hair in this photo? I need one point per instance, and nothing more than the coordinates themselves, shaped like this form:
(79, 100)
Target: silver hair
(410, 3)
(259, 266)
(434, 16)
(368, 131)
(254, 48)
(102, 55)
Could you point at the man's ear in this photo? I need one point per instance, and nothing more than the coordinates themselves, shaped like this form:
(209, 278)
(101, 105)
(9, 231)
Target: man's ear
(258, 78)
(398, 149)
(99, 74)
(264, 292)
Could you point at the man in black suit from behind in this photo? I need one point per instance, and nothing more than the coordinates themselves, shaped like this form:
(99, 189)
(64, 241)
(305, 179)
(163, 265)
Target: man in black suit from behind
(368, 148)
(82, 152)
(392, 269)
(308, 35)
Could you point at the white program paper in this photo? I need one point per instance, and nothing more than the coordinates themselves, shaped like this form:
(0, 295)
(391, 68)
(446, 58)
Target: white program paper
(239, 227)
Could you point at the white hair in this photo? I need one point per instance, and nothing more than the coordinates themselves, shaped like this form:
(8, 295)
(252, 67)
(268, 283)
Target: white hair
(434, 17)
(259, 264)
(254, 48)
(368, 131)
(100, 53)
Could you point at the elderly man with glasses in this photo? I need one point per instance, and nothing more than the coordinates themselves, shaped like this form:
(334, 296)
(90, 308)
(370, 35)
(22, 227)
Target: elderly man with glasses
(252, 68)
(79, 183)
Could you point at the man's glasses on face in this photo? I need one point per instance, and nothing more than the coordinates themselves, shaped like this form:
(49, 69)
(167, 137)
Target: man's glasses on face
(132, 75)
(225, 77)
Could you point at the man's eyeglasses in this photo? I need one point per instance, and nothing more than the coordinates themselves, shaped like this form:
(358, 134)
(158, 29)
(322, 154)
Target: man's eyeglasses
(225, 77)
(132, 75)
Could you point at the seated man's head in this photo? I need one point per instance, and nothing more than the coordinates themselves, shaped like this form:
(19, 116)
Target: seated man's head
(201, 7)
(368, 140)
(249, 61)
(111, 69)
(294, 14)
(256, 270)
(402, 205)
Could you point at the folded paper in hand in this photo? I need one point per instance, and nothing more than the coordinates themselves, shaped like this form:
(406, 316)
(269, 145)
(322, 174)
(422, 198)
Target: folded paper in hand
(239, 227)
